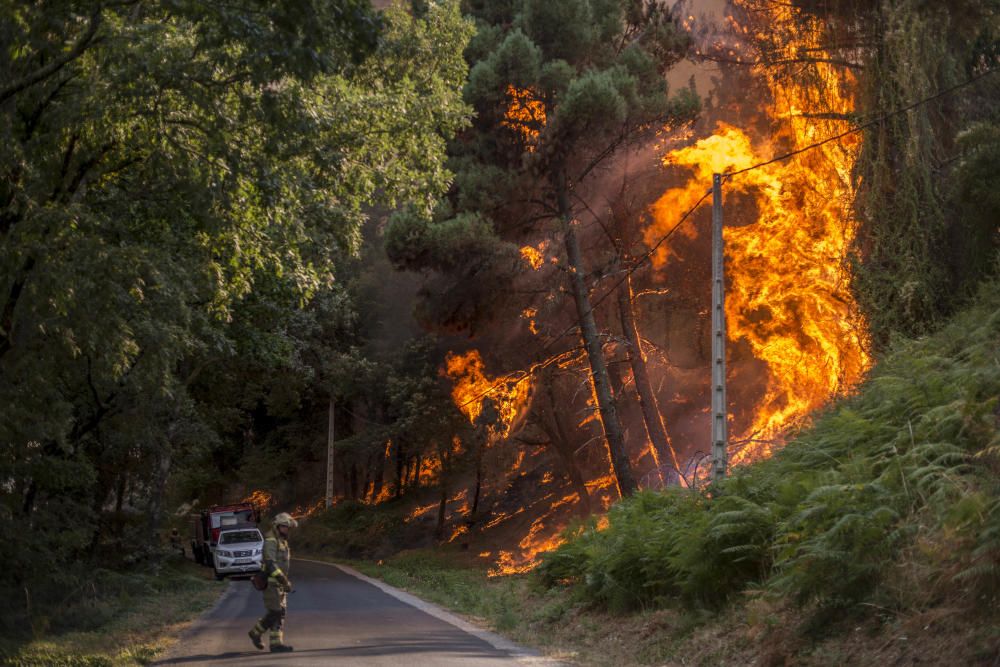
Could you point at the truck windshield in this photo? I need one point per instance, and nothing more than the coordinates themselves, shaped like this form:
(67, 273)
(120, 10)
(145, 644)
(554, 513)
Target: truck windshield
(240, 536)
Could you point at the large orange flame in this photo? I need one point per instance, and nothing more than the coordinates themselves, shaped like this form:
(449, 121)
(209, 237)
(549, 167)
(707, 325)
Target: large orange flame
(787, 282)
(509, 393)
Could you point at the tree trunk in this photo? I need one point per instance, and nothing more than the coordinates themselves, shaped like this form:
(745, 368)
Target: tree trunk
(400, 468)
(29, 499)
(661, 447)
(564, 449)
(442, 506)
(592, 343)
(162, 473)
(379, 477)
(474, 510)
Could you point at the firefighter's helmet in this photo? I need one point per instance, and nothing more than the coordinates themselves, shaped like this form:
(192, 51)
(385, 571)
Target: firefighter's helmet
(285, 519)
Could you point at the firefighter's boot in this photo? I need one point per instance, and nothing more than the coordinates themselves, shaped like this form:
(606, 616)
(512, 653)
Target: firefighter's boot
(278, 644)
(255, 636)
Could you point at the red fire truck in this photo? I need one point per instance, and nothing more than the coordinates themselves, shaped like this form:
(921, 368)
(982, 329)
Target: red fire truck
(207, 524)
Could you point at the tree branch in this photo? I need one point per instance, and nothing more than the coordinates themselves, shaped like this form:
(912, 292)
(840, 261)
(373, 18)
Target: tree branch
(45, 72)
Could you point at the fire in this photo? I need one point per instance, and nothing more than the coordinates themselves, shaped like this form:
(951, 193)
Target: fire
(787, 283)
(262, 500)
(430, 470)
(383, 495)
(529, 314)
(304, 512)
(542, 536)
(509, 393)
(525, 115)
(420, 512)
(532, 256)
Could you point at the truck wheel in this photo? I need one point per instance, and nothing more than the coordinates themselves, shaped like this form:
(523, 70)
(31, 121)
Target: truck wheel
(219, 576)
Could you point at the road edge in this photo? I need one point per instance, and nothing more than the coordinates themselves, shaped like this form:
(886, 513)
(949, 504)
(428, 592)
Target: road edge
(166, 657)
(491, 638)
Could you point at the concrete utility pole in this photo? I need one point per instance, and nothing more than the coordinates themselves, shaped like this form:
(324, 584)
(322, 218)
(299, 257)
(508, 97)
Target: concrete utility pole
(329, 458)
(719, 426)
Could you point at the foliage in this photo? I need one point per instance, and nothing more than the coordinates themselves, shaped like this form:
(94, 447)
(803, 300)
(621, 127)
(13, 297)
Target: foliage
(179, 182)
(832, 519)
(560, 89)
(351, 529)
(928, 223)
(592, 72)
(119, 619)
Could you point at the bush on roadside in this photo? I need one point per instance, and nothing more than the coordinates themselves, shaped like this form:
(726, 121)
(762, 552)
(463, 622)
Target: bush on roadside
(351, 529)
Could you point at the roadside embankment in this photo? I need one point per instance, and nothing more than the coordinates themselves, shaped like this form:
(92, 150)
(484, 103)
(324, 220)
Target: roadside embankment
(117, 619)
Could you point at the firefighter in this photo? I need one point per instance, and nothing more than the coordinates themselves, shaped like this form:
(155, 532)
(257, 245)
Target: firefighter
(276, 560)
(175, 542)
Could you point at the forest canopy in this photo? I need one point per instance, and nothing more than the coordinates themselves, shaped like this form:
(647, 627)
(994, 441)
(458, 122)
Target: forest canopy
(179, 179)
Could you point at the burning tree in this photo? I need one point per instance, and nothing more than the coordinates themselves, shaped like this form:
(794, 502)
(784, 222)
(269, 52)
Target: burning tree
(568, 89)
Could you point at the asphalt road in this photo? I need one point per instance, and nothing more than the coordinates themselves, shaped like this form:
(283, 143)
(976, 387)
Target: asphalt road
(338, 617)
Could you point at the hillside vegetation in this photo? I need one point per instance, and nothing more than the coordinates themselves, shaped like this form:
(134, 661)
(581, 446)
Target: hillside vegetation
(889, 502)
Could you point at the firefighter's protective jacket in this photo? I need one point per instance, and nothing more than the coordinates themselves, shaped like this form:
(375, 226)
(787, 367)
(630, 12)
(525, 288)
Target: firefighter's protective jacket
(277, 557)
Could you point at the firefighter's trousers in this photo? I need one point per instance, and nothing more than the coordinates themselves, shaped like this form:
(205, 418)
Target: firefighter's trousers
(275, 602)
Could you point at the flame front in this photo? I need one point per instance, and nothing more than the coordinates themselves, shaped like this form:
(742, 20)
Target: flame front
(787, 282)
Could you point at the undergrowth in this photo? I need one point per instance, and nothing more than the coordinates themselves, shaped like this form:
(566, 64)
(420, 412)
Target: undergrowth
(889, 501)
(114, 618)
(352, 529)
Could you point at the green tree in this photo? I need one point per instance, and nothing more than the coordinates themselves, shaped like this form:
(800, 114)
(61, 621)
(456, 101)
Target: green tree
(924, 236)
(174, 176)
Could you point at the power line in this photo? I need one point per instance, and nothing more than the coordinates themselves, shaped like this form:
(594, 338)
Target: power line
(865, 126)
(726, 176)
(635, 266)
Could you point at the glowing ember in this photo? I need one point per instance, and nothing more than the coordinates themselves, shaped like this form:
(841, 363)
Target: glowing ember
(787, 286)
(529, 314)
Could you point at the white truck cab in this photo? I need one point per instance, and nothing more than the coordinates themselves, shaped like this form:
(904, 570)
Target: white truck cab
(239, 551)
